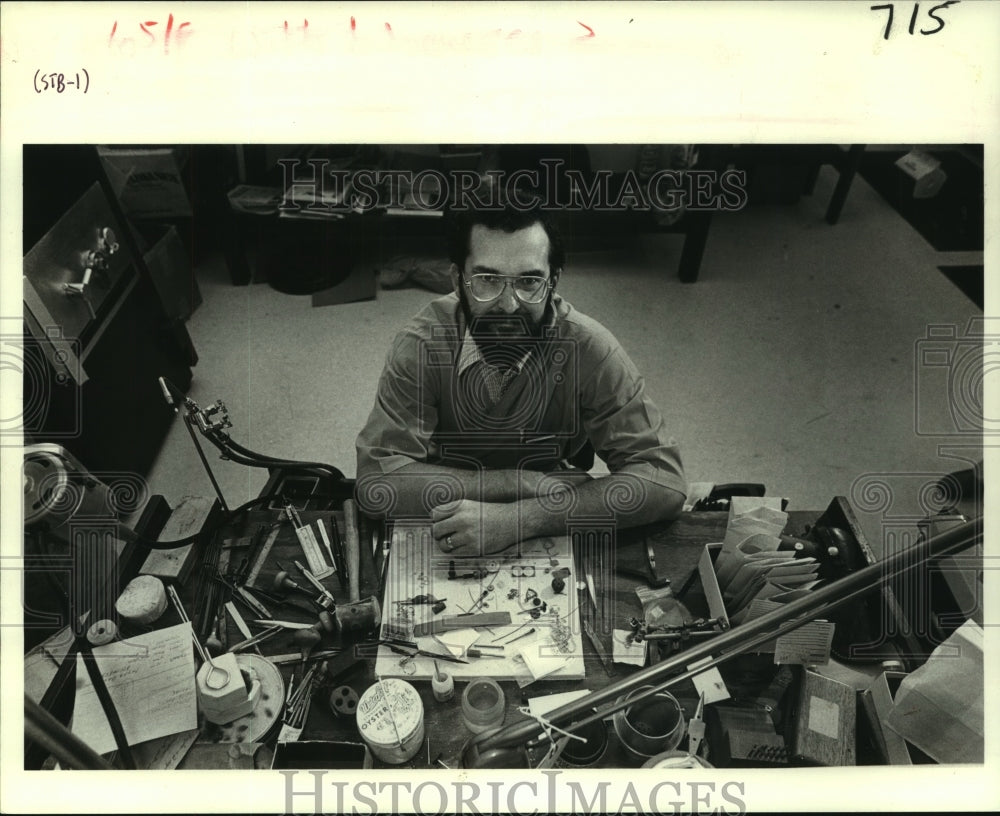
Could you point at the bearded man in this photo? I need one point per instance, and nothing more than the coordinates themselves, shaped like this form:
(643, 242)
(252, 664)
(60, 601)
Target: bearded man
(494, 396)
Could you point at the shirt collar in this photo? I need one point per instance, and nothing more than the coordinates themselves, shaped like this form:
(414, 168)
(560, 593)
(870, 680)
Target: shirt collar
(470, 354)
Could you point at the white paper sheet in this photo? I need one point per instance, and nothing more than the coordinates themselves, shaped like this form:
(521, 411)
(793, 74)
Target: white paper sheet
(150, 679)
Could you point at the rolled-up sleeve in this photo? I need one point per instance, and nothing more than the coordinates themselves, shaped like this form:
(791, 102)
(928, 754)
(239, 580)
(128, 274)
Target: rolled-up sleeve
(624, 425)
(402, 421)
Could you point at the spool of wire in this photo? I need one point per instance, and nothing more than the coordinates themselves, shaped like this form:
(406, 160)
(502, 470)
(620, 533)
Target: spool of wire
(102, 632)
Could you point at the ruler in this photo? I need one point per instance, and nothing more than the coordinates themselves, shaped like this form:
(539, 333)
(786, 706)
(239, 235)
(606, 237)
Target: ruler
(265, 551)
(309, 544)
(314, 555)
(434, 627)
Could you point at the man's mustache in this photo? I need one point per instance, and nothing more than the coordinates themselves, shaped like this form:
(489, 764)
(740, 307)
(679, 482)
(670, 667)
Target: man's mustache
(502, 325)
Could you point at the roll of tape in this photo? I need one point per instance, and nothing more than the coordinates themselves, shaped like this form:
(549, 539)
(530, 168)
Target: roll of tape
(102, 632)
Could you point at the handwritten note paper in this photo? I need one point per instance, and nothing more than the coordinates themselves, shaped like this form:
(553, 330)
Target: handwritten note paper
(150, 679)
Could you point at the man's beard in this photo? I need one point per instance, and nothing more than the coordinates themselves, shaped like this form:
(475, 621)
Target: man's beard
(503, 339)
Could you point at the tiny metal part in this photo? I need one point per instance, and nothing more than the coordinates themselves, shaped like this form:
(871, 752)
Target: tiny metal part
(522, 635)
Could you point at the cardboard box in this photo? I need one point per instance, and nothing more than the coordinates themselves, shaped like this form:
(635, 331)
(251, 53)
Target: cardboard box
(149, 182)
(321, 755)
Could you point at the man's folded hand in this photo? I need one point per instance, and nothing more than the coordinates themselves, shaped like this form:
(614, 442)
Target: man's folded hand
(471, 528)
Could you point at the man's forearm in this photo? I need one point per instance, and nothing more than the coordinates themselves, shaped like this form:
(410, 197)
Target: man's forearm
(628, 500)
(415, 489)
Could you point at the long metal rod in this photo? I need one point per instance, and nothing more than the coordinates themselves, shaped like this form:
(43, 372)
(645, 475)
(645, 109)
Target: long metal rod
(737, 640)
(753, 643)
(43, 728)
(204, 461)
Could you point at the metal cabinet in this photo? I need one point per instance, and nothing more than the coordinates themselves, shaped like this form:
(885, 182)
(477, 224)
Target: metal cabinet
(96, 339)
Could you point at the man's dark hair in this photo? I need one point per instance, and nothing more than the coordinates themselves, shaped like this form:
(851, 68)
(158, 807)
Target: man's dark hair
(508, 216)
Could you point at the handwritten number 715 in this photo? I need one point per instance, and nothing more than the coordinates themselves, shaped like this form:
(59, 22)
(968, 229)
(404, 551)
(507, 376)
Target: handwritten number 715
(913, 17)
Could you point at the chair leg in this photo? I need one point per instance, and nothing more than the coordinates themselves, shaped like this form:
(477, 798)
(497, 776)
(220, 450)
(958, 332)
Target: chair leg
(847, 166)
(695, 238)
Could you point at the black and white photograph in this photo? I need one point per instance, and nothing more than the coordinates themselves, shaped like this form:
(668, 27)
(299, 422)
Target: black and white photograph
(463, 459)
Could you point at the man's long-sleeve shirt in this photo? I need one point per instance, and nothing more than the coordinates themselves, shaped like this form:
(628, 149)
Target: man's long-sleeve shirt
(576, 384)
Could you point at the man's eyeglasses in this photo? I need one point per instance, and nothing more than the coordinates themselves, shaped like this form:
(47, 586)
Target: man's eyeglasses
(527, 288)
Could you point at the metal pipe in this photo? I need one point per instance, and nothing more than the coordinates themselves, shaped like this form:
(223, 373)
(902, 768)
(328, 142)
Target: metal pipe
(737, 640)
(43, 728)
(204, 461)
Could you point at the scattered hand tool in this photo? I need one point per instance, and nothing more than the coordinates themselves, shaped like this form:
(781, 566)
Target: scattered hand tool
(352, 549)
(253, 641)
(312, 579)
(696, 728)
(307, 540)
(409, 648)
(306, 639)
(218, 677)
(474, 652)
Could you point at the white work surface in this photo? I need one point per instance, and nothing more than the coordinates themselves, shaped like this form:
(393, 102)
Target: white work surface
(418, 567)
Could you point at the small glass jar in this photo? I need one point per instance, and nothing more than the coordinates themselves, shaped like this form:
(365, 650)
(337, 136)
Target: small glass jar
(483, 705)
